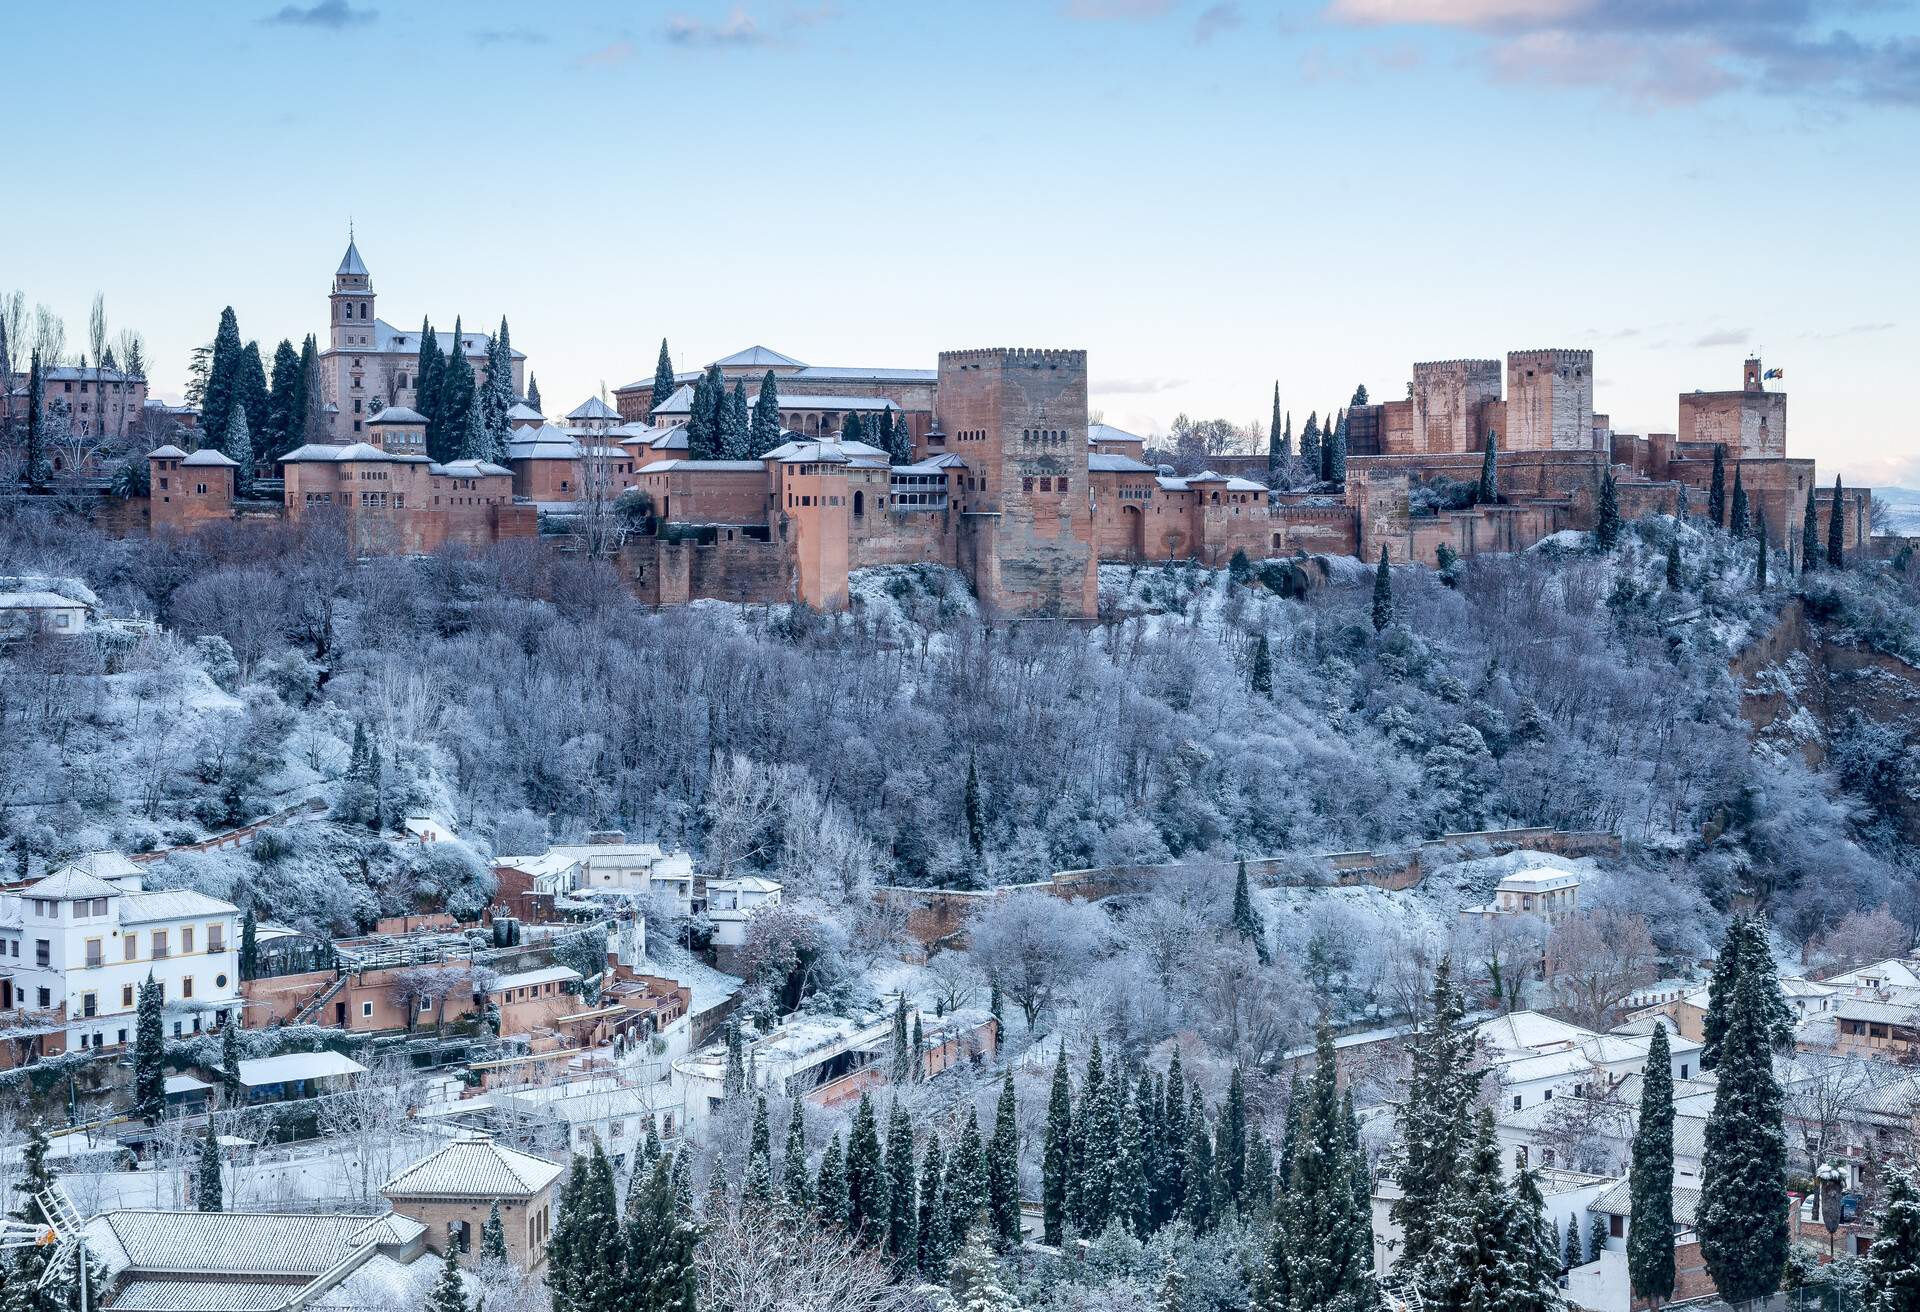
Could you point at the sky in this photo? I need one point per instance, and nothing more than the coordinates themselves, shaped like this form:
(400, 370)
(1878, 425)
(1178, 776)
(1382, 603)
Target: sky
(1208, 197)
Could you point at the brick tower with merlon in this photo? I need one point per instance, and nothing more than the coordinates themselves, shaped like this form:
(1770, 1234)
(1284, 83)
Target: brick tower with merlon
(1018, 417)
(1549, 401)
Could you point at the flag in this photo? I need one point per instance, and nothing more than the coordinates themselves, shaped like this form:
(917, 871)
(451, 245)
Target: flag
(1774, 373)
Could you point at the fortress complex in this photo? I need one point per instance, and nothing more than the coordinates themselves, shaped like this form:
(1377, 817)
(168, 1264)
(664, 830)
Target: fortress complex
(1009, 482)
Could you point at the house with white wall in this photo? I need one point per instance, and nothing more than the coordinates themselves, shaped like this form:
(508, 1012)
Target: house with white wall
(607, 862)
(79, 943)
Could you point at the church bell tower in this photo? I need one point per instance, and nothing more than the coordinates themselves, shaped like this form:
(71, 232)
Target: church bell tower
(350, 317)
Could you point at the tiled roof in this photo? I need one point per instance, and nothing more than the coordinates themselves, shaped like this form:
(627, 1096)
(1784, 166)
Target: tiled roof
(174, 1295)
(351, 264)
(399, 414)
(1099, 462)
(522, 410)
(167, 452)
(529, 978)
(71, 882)
(759, 357)
(1108, 433)
(171, 904)
(593, 408)
(207, 457)
(261, 1244)
(1619, 1201)
(474, 1168)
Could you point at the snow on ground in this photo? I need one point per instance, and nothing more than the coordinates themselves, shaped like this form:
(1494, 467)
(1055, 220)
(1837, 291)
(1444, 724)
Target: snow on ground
(710, 987)
(902, 600)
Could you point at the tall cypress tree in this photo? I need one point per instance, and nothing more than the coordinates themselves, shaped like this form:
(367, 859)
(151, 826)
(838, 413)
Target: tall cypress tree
(663, 385)
(493, 1235)
(237, 446)
(251, 381)
(1650, 1236)
(1892, 1276)
(903, 1220)
(1336, 452)
(1743, 951)
(1003, 1168)
(830, 1186)
(1382, 593)
(310, 421)
(795, 1187)
(866, 1177)
(230, 1087)
(967, 1177)
(1717, 489)
(454, 408)
(224, 386)
(1440, 1089)
(1739, 525)
(1487, 493)
(533, 393)
(1198, 1167)
(1276, 455)
(283, 402)
(1606, 527)
(497, 395)
(36, 469)
(736, 425)
(1310, 445)
(1810, 533)
(852, 430)
(449, 1292)
(759, 1187)
(766, 417)
(1760, 541)
(930, 1225)
(207, 1193)
(1330, 1238)
(1742, 1218)
(1837, 528)
(1247, 921)
(1056, 1159)
(1129, 1195)
(1082, 1153)
(1230, 1144)
(149, 1056)
(1172, 1182)
(703, 437)
(974, 812)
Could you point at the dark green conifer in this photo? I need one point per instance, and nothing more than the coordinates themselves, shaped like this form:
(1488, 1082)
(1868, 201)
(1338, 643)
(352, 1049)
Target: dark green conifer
(1487, 493)
(1717, 489)
(663, 384)
(1382, 593)
(1003, 1168)
(903, 1220)
(1742, 1217)
(149, 1055)
(765, 434)
(867, 1214)
(1606, 528)
(1837, 528)
(207, 1193)
(1056, 1159)
(1650, 1265)
(1739, 525)
(225, 387)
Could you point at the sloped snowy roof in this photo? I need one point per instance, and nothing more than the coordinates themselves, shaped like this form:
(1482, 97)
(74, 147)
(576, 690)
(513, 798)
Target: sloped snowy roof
(326, 451)
(521, 410)
(399, 414)
(856, 374)
(1209, 476)
(680, 403)
(593, 408)
(35, 601)
(529, 978)
(672, 438)
(827, 452)
(257, 1071)
(388, 338)
(933, 464)
(469, 469)
(1108, 433)
(472, 1167)
(70, 882)
(258, 1244)
(811, 401)
(171, 904)
(167, 452)
(208, 458)
(707, 466)
(1100, 462)
(759, 357)
(351, 264)
(105, 864)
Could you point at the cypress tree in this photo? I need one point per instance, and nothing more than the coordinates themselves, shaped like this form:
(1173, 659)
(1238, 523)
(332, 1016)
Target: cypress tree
(866, 1177)
(224, 387)
(1331, 1240)
(1247, 921)
(1650, 1236)
(249, 945)
(149, 1067)
(1574, 1255)
(830, 1186)
(1276, 453)
(901, 1068)
(453, 415)
(496, 394)
(916, 1061)
(533, 392)
(736, 438)
(1290, 1132)
(230, 1091)
(251, 381)
(1382, 593)
(493, 1235)
(1081, 1153)
(1739, 525)
(1535, 1250)
(976, 1278)
(1260, 678)
(1260, 1187)
(427, 368)
(1003, 1168)
(930, 1225)
(903, 1221)
(794, 1185)
(1606, 528)
(1198, 1168)
(734, 1081)
(663, 384)
(1892, 1276)
(1717, 489)
(36, 469)
(759, 1186)
(1173, 1143)
(967, 1177)
(1680, 504)
(703, 437)
(1742, 1218)
(310, 420)
(766, 418)
(1336, 452)
(207, 1193)
(1487, 493)
(1673, 564)
(1129, 1196)
(237, 446)
(851, 429)
(449, 1293)
(1310, 446)
(1760, 540)
(975, 814)
(284, 415)
(1360, 1174)
(1469, 1265)
(1440, 1089)
(1743, 950)
(1837, 528)
(1810, 533)
(1230, 1148)
(1056, 1160)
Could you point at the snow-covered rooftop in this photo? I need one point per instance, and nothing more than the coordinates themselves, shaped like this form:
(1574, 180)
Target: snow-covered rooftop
(531, 978)
(258, 1071)
(399, 414)
(593, 408)
(208, 457)
(474, 1167)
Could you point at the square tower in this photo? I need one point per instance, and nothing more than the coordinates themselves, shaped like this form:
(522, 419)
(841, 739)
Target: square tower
(1018, 417)
(1549, 401)
(1448, 399)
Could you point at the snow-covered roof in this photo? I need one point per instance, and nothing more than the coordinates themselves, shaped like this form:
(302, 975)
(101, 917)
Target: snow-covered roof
(680, 403)
(171, 904)
(745, 884)
(530, 978)
(673, 437)
(326, 451)
(290, 1066)
(35, 601)
(351, 265)
(469, 469)
(208, 458)
(812, 401)
(106, 864)
(186, 1084)
(823, 452)
(263, 1245)
(74, 373)
(1100, 462)
(1208, 476)
(1619, 1202)
(399, 414)
(759, 357)
(167, 452)
(933, 464)
(704, 466)
(71, 883)
(818, 373)
(521, 410)
(473, 1167)
(390, 339)
(1108, 433)
(593, 408)
(1539, 878)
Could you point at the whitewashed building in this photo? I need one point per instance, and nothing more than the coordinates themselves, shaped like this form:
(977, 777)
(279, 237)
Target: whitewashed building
(1549, 892)
(731, 903)
(607, 862)
(78, 944)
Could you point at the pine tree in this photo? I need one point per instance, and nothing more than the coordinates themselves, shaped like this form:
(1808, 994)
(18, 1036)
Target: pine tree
(1247, 921)
(930, 1224)
(1488, 491)
(765, 435)
(866, 1177)
(1837, 528)
(1260, 678)
(207, 1195)
(449, 1292)
(230, 1090)
(1574, 1255)
(830, 1186)
(1382, 593)
(1276, 452)
(284, 415)
(1810, 553)
(1717, 489)
(1469, 1265)
(1650, 1236)
(1003, 1168)
(1739, 525)
(1743, 948)
(493, 1234)
(663, 384)
(795, 1187)
(1056, 1159)
(903, 1219)
(1440, 1088)
(1606, 528)
(1534, 1250)
(149, 1064)
(976, 1278)
(1892, 1276)
(1760, 556)
(237, 446)
(975, 813)
(1742, 1217)
(224, 387)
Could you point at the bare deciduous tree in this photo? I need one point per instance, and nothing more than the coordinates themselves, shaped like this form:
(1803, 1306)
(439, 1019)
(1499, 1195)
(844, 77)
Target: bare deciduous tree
(1032, 945)
(1595, 959)
(754, 1261)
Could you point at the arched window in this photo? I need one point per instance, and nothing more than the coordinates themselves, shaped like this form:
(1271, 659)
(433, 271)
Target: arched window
(400, 381)
(859, 503)
(363, 309)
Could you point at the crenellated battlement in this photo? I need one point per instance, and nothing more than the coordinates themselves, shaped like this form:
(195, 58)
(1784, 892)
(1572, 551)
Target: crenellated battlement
(1034, 355)
(1556, 354)
(1455, 364)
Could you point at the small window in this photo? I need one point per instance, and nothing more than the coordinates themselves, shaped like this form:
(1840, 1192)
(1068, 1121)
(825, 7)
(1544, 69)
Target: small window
(366, 1010)
(1516, 1101)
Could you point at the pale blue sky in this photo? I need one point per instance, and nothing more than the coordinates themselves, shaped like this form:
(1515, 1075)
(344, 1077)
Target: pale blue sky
(1206, 197)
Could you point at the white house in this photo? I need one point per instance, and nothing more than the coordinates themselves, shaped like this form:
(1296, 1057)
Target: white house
(1549, 892)
(732, 902)
(608, 862)
(80, 942)
(1535, 1057)
(32, 605)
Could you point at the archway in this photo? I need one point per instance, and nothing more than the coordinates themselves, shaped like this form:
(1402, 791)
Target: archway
(1135, 525)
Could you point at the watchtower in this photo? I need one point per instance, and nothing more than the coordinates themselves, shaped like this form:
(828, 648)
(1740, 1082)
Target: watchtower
(1550, 400)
